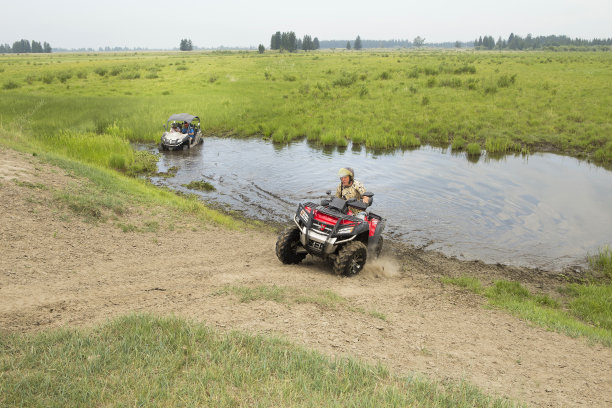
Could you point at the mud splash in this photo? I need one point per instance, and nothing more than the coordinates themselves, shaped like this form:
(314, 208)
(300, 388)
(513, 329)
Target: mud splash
(384, 267)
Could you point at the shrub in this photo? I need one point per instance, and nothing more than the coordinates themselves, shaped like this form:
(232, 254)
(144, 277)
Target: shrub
(413, 73)
(466, 69)
(10, 85)
(363, 91)
(64, 76)
(505, 80)
(48, 78)
(130, 75)
(345, 79)
(100, 71)
(451, 82)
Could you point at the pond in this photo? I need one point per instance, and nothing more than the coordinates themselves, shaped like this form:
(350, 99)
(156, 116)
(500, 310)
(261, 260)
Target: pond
(543, 210)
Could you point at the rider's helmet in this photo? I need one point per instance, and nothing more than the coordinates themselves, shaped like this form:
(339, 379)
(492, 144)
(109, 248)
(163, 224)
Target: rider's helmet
(346, 171)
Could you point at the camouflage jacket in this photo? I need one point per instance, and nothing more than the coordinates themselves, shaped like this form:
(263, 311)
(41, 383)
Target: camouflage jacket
(355, 190)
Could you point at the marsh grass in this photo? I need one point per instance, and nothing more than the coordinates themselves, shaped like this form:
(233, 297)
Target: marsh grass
(583, 309)
(199, 185)
(145, 360)
(559, 105)
(473, 149)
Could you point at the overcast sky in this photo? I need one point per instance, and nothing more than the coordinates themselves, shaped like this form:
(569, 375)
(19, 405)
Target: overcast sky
(232, 23)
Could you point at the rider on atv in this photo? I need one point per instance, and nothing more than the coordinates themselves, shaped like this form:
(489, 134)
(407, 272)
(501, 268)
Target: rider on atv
(351, 188)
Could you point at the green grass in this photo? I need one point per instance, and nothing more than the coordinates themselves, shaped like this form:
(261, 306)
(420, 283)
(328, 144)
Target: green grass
(503, 101)
(583, 309)
(148, 361)
(325, 299)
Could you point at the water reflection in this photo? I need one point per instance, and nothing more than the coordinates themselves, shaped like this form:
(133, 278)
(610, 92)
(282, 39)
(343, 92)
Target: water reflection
(544, 211)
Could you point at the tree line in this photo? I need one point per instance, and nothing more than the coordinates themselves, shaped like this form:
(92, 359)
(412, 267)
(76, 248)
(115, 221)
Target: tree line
(25, 47)
(516, 42)
(288, 41)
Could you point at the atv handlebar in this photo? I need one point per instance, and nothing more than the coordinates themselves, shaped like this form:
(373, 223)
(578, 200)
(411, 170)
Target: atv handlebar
(342, 205)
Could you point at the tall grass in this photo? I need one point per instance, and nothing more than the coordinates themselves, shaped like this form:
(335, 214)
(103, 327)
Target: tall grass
(148, 361)
(602, 261)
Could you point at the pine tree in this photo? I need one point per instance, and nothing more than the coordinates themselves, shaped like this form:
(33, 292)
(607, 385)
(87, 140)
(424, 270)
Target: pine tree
(275, 43)
(315, 44)
(261, 48)
(292, 39)
(348, 45)
(307, 43)
(357, 44)
(37, 47)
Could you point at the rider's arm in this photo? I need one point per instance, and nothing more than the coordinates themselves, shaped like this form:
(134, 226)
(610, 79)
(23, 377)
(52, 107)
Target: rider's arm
(362, 190)
(339, 191)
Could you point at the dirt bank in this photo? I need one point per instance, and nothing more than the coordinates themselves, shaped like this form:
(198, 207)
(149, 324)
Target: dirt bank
(58, 270)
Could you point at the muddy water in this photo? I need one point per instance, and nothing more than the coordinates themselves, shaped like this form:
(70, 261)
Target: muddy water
(545, 211)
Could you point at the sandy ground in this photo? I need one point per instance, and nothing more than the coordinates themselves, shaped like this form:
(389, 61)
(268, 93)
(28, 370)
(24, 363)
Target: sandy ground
(58, 270)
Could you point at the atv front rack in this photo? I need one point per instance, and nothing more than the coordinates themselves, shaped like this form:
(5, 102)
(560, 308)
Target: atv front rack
(320, 235)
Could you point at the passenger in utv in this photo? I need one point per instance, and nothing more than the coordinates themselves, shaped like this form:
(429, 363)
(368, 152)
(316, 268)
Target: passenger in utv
(351, 188)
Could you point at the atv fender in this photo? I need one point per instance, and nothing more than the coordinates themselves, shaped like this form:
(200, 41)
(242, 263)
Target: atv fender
(373, 240)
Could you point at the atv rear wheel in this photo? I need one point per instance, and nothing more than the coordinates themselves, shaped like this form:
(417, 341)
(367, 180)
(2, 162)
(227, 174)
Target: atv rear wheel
(287, 246)
(351, 259)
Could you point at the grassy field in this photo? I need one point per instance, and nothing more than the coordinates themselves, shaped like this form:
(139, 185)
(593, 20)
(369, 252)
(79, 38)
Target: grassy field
(143, 360)
(90, 105)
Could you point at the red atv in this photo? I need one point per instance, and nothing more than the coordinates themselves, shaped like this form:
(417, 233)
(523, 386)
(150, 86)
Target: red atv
(331, 231)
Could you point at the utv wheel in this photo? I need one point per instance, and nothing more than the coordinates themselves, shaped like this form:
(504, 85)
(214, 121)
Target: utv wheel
(351, 259)
(287, 246)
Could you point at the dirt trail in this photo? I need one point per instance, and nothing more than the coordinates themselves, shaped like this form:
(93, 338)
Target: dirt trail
(57, 270)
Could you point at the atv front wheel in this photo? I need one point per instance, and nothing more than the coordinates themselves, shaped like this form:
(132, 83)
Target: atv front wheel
(351, 259)
(287, 246)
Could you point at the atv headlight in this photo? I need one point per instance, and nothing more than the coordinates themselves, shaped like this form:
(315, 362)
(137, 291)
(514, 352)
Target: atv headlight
(346, 230)
(304, 215)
